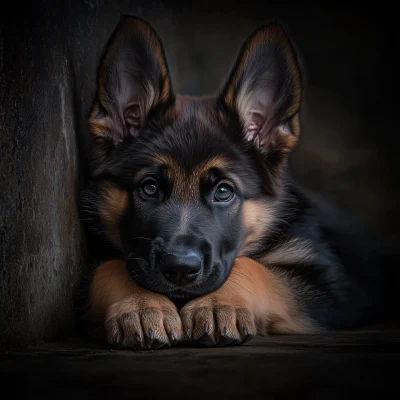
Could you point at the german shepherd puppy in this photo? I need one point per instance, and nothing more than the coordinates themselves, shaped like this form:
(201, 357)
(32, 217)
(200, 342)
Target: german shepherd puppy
(216, 241)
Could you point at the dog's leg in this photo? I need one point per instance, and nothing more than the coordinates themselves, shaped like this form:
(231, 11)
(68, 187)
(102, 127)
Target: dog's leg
(132, 317)
(253, 300)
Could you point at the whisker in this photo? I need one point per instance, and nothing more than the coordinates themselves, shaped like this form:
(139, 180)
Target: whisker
(141, 237)
(134, 258)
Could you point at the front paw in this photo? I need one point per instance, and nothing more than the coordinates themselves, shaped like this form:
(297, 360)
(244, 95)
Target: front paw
(211, 321)
(137, 323)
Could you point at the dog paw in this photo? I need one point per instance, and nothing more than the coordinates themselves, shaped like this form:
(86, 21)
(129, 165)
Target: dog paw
(140, 324)
(208, 322)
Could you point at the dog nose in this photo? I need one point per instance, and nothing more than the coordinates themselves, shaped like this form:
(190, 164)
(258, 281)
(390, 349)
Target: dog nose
(181, 268)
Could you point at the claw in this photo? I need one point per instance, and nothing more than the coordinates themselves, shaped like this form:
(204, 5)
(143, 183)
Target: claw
(225, 340)
(153, 342)
(247, 336)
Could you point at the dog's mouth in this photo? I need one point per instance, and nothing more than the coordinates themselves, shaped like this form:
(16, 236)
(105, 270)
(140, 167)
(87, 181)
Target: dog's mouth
(182, 294)
(144, 273)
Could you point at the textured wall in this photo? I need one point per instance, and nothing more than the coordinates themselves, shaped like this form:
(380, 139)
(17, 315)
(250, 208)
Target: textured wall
(40, 236)
(48, 57)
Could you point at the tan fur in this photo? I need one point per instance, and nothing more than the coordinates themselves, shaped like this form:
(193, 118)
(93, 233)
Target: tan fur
(112, 205)
(97, 127)
(294, 251)
(166, 89)
(121, 307)
(295, 125)
(257, 216)
(287, 140)
(252, 295)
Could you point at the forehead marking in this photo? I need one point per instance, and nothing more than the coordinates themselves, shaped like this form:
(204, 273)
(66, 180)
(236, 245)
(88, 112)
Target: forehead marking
(186, 183)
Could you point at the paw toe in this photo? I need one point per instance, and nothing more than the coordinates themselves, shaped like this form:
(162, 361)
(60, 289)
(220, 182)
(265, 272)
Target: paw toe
(113, 332)
(226, 322)
(153, 328)
(203, 324)
(173, 326)
(218, 325)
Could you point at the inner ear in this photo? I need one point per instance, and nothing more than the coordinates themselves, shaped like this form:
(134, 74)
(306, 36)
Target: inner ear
(132, 118)
(264, 89)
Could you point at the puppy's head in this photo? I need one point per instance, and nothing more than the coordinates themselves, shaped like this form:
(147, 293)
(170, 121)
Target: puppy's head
(181, 185)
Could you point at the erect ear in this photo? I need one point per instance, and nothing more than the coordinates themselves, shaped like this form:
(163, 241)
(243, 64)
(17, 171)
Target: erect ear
(264, 90)
(133, 79)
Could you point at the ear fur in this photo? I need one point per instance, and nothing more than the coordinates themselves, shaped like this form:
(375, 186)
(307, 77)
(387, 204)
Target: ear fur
(133, 80)
(264, 90)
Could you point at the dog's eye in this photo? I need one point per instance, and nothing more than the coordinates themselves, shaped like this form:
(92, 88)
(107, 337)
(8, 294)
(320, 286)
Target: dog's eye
(224, 192)
(149, 188)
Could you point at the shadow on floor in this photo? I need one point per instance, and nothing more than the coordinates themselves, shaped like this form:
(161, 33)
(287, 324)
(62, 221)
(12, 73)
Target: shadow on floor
(329, 366)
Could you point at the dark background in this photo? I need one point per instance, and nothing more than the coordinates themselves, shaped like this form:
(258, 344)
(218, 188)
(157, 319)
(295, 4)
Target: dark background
(49, 53)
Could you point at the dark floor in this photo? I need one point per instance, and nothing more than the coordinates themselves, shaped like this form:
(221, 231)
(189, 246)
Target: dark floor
(310, 367)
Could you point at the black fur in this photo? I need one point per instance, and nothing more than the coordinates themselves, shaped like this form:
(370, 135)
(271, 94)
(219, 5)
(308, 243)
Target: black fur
(343, 284)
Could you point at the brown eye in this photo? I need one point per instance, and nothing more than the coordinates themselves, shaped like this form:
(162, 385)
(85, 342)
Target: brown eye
(149, 188)
(224, 192)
